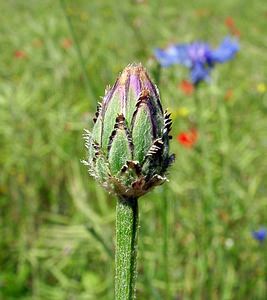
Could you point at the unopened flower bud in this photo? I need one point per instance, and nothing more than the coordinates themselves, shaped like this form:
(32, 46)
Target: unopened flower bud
(128, 149)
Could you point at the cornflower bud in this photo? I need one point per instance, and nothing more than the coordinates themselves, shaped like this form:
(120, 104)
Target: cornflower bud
(128, 149)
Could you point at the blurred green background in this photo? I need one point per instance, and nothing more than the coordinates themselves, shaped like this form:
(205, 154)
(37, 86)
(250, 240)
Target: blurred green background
(57, 225)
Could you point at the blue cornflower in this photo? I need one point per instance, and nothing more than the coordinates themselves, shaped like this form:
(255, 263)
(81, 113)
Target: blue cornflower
(226, 50)
(174, 54)
(260, 234)
(199, 57)
(199, 72)
(199, 53)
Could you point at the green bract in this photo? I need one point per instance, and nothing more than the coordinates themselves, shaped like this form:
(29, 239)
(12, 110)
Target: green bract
(128, 148)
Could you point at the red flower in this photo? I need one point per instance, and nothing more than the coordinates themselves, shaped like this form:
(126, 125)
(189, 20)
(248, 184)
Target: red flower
(187, 87)
(230, 24)
(20, 54)
(66, 43)
(188, 138)
(228, 95)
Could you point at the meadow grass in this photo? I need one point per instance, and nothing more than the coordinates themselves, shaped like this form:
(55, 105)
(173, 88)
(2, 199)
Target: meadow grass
(56, 225)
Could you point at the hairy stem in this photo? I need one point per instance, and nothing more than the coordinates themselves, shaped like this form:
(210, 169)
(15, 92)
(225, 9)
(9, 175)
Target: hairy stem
(126, 248)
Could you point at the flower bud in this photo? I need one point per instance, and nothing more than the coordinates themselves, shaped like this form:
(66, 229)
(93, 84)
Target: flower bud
(128, 149)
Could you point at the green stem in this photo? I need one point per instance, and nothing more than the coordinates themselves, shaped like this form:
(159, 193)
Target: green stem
(126, 248)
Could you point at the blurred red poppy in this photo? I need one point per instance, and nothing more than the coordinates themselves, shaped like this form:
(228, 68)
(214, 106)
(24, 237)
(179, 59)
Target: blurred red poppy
(20, 54)
(66, 43)
(187, 87)
(188, 138)
(230, 24)
(228, 94)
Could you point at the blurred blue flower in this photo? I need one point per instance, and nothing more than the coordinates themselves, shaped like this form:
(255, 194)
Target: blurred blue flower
(199, 53)
(225, 51)
(174, 54)
(199, 57)
(199, 72)
(260, 234)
